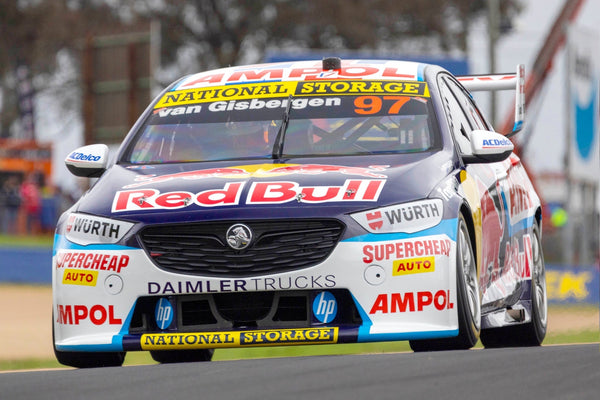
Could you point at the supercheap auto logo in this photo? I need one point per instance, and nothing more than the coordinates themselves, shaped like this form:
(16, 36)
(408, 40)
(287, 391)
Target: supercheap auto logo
(160, 341)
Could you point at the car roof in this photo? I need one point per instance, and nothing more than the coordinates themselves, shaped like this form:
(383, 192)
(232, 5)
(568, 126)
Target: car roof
(305, 70)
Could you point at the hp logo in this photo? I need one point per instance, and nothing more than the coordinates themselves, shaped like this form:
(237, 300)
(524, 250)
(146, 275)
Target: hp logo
(325, 307)
(163, 313)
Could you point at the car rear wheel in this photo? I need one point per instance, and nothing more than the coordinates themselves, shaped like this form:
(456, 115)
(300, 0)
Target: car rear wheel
(468, 299)
(180, 356)
(533, 332)
(80, 359)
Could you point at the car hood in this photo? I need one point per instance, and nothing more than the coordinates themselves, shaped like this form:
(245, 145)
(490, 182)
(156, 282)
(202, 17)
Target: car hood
(316, 187)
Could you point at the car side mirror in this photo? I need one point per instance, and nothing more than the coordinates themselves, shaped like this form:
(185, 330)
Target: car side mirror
(488, 147)
(88, 161)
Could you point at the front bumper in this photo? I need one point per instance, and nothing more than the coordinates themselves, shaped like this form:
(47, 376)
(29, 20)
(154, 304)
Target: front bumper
(375, 287)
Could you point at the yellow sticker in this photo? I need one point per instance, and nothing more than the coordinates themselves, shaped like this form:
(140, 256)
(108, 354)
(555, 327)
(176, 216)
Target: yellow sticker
(79, 277)
(289, 336)
(409, 266)
(208, 340)
(228, 92)
(257, 92)
(345, 87)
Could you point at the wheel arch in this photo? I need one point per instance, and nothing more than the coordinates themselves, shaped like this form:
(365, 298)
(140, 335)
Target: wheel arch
(467, 215)
(538, 218)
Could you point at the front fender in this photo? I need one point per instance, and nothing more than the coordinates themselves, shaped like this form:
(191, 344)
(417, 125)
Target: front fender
(461, 195)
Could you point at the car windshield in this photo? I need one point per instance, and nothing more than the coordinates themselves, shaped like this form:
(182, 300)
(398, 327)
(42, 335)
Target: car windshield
(318, 126)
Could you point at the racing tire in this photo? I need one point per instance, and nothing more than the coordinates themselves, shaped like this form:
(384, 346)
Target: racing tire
(181, 356)
(80, 359)
(531, 333)
(468, 299)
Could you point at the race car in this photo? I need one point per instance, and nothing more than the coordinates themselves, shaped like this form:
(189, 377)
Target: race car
(300, 203)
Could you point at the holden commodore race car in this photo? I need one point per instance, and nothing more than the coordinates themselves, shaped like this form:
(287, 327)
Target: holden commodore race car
(302, 203)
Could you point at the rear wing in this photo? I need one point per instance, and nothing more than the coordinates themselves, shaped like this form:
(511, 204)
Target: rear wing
(516, 82)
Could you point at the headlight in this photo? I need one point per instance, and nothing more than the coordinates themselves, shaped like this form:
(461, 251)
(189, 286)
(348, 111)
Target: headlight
(406, 218)
(86, 229)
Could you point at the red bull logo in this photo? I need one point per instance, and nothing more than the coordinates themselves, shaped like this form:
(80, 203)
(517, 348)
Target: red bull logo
(259, 193)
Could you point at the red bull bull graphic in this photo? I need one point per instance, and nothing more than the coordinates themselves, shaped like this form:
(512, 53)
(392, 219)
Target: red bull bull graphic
(227, 173)
(317, 169)
(263, 170)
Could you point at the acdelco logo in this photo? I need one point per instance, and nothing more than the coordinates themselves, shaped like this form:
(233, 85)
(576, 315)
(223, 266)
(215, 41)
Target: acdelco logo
(76, 156)
(97, 315)
(410, 301)
(495, 142)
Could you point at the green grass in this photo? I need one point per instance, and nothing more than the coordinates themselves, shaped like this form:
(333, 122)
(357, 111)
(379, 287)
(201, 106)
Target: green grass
(26, 240)
(33, 363)
(573, 337)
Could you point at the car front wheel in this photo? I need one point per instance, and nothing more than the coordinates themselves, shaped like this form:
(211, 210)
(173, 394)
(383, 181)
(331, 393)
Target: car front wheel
(468, 299)
(80, 359)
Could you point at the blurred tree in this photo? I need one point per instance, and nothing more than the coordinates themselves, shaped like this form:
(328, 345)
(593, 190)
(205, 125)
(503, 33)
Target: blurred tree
(201, 34)
(32, 32)
(218, 33)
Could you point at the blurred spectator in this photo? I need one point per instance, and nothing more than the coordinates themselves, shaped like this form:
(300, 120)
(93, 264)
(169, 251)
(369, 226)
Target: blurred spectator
(10, 201)
(49, 208)
(30, 194)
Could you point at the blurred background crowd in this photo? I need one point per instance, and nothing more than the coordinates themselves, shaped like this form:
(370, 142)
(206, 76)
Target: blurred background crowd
(29, 205)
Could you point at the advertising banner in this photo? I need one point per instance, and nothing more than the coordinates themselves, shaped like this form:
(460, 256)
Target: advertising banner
(583, 69)
(572, 285)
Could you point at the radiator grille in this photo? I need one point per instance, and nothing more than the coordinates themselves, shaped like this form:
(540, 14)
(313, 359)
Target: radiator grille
(277, 246)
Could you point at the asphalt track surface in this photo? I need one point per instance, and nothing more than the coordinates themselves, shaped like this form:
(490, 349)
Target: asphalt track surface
(551, 372)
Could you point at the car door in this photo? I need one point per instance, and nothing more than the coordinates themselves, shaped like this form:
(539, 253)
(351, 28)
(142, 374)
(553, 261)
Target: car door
(492, 186)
